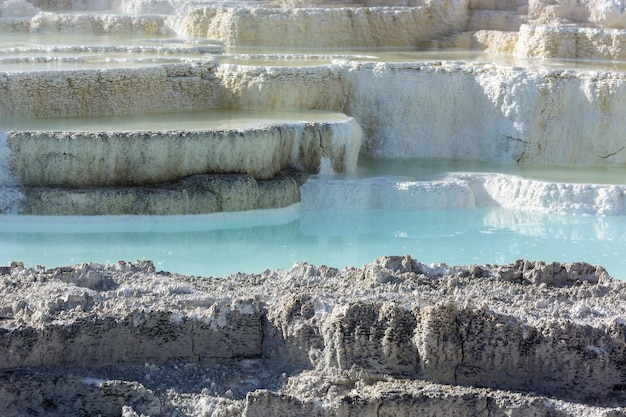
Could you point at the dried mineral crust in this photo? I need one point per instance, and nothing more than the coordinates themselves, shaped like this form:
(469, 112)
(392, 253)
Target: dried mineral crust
(392, 338)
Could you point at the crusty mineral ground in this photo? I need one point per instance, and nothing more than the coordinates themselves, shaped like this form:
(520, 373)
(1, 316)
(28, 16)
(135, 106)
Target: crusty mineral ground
(392, 338)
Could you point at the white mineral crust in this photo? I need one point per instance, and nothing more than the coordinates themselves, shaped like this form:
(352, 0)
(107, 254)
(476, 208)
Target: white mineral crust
(431, 110)
(393, 335)
(88, 159)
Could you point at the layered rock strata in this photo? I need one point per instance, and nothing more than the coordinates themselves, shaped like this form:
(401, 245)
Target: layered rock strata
(314, 24)
(352, 27)
(587, 29)
(405, 109)
(196, 194)
(169, 172)
(427, 109)
(393, 337)
(99, 159)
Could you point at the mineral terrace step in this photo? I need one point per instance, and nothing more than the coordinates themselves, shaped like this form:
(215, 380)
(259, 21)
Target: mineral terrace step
(197, 194)
(78, 157)
(338, 27)
(568, 41)
(90, 23)
(502, 20)
(497, 4)
(190, 162)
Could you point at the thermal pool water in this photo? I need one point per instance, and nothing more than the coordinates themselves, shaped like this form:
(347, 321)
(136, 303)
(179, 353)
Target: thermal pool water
(339, 234)
(202, 119)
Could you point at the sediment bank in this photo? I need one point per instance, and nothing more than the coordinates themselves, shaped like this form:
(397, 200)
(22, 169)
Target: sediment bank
(395, 336)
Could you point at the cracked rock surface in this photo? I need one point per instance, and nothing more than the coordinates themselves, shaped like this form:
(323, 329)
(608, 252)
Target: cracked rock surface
(392, 338)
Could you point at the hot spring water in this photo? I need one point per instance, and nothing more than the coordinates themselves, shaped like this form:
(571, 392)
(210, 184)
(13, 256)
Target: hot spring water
(226, 243)
(218, 245)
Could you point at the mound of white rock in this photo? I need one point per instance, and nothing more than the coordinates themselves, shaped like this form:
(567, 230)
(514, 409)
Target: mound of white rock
(395, 337)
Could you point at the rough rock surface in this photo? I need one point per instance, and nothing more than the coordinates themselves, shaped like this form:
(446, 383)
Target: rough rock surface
(524, 197)
(512, 114)
(392, 338)
(168, 172)
(196, 194)
(101, 159)
(326, 27)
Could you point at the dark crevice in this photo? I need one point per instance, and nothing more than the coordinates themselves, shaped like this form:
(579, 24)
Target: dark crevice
(515, 139)
(319, 136)
(378, 407)
(613, 154)
(262, 323)
(193, 341)
(462, 343)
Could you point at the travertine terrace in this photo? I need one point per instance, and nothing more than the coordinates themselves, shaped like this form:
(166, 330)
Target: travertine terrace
(527, 81)
(95, 59)
(394, 338)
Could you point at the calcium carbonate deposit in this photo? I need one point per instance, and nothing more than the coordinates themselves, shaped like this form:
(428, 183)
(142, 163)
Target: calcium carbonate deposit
(394, 338)
(93, 95)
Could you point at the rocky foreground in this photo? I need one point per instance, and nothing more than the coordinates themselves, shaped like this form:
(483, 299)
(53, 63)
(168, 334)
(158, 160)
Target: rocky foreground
(392, 338)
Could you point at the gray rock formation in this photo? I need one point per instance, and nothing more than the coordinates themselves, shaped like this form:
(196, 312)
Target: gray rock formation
(197, 194)
(394, 337)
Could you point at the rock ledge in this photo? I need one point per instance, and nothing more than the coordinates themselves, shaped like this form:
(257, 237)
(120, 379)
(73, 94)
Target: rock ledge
(394, 337)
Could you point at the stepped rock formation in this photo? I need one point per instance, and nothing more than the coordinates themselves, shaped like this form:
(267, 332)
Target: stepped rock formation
(144, 172)
(210, 55)
(394, 337)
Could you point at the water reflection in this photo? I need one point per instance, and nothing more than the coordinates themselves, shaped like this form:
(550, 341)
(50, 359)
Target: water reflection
(183, 120)
(219, 245)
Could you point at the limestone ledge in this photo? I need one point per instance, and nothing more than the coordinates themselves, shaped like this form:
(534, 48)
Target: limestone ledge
(106, 91)
(544, 41)
(381, 23)
(571, 42)
(466, 191)
(457, 110)
(596, 25)
(390, 338)
(599, 13)
(170, 172)
(434, 109)
(102, 159)
(197, 194)
(339, 27)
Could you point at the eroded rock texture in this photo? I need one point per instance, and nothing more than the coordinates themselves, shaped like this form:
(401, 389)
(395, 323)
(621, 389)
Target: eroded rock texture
(394, 337)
